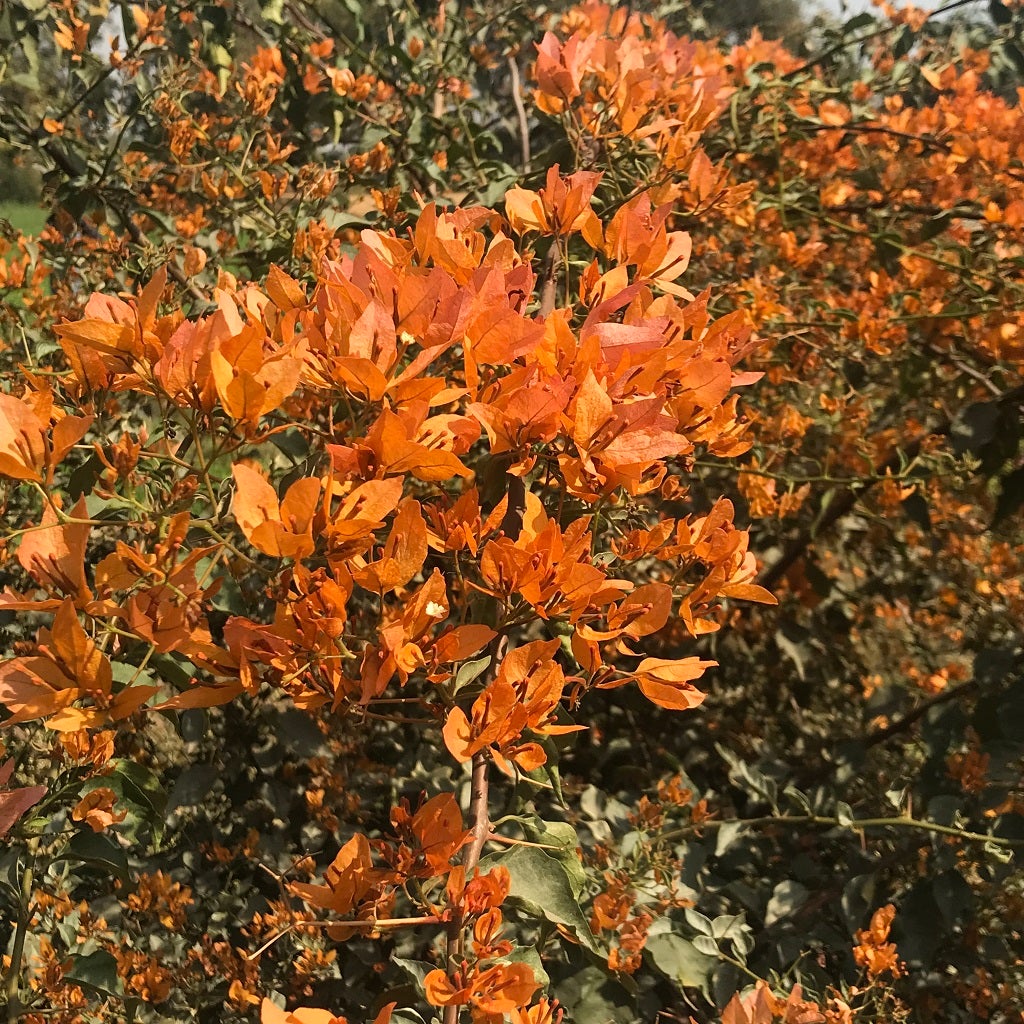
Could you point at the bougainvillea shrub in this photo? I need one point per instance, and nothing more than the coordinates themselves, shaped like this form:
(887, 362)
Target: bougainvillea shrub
(511, 516)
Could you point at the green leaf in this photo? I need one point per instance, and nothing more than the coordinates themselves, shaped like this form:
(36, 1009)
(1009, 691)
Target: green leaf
(541, 885)
(220, 57)
(954, 897)
(416, 970)
(799, 798)
(292, 443)
(528, 955)
(791, 641)
(866, 19)
(904, 42)
(727, 927)
(743, 943)
(406, 1015)
(193, 786)
(727, 835)
(679, 959)
(592, 996)
(84, 477)
(698, 922)
(98, 851)
(547, 774)
(934, 227)
(142, 787)
(273, 12)
(725, 983)
(974, 427)
(787, 897)
(999, 12)
(97, 971)
(916, 507)
(139, 791)
(562, 835)
(1015, 55)
(468, 671)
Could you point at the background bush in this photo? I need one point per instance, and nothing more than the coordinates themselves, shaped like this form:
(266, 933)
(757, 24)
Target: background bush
(854, 206)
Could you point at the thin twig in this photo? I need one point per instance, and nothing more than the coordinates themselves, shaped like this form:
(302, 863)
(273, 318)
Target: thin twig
(517, 99)
(867, 37)
(849, 824)
(139, 238)
(904, 722)
(480, 825)
(371, 925)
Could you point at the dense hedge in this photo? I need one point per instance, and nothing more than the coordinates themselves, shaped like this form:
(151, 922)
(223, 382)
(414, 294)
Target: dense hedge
(511, 514)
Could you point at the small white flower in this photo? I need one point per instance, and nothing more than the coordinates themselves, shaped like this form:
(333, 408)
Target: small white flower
(435, 610)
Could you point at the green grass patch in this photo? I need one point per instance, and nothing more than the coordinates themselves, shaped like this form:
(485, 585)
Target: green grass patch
(26, 217)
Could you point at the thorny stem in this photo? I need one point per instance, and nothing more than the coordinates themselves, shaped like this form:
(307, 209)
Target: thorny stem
(919, 711)
(223, 541)
(547, 301)
(739, 965)
(481, 825)
(204, 468)
(493, 837)
(823, 478)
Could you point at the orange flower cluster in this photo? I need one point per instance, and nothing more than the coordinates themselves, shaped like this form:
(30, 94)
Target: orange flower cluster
(606, 407)
(873, 951)
(458, 446)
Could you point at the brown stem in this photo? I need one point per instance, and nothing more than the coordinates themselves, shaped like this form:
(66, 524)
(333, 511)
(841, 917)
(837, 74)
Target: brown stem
(547, 294)
(517, 99)
(479, 820)
(897, 822)
(138, 237)
(480, 823)
(844, 43)
(481, 827)
(898, 725)
(368, 926)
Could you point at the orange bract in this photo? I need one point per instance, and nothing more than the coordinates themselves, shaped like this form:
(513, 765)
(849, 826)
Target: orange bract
(281, 529)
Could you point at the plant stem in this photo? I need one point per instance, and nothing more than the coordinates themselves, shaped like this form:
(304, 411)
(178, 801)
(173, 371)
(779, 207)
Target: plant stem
(481, 828)
(12, 983)
(517, 99)
(851, 825)
(480, 822)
